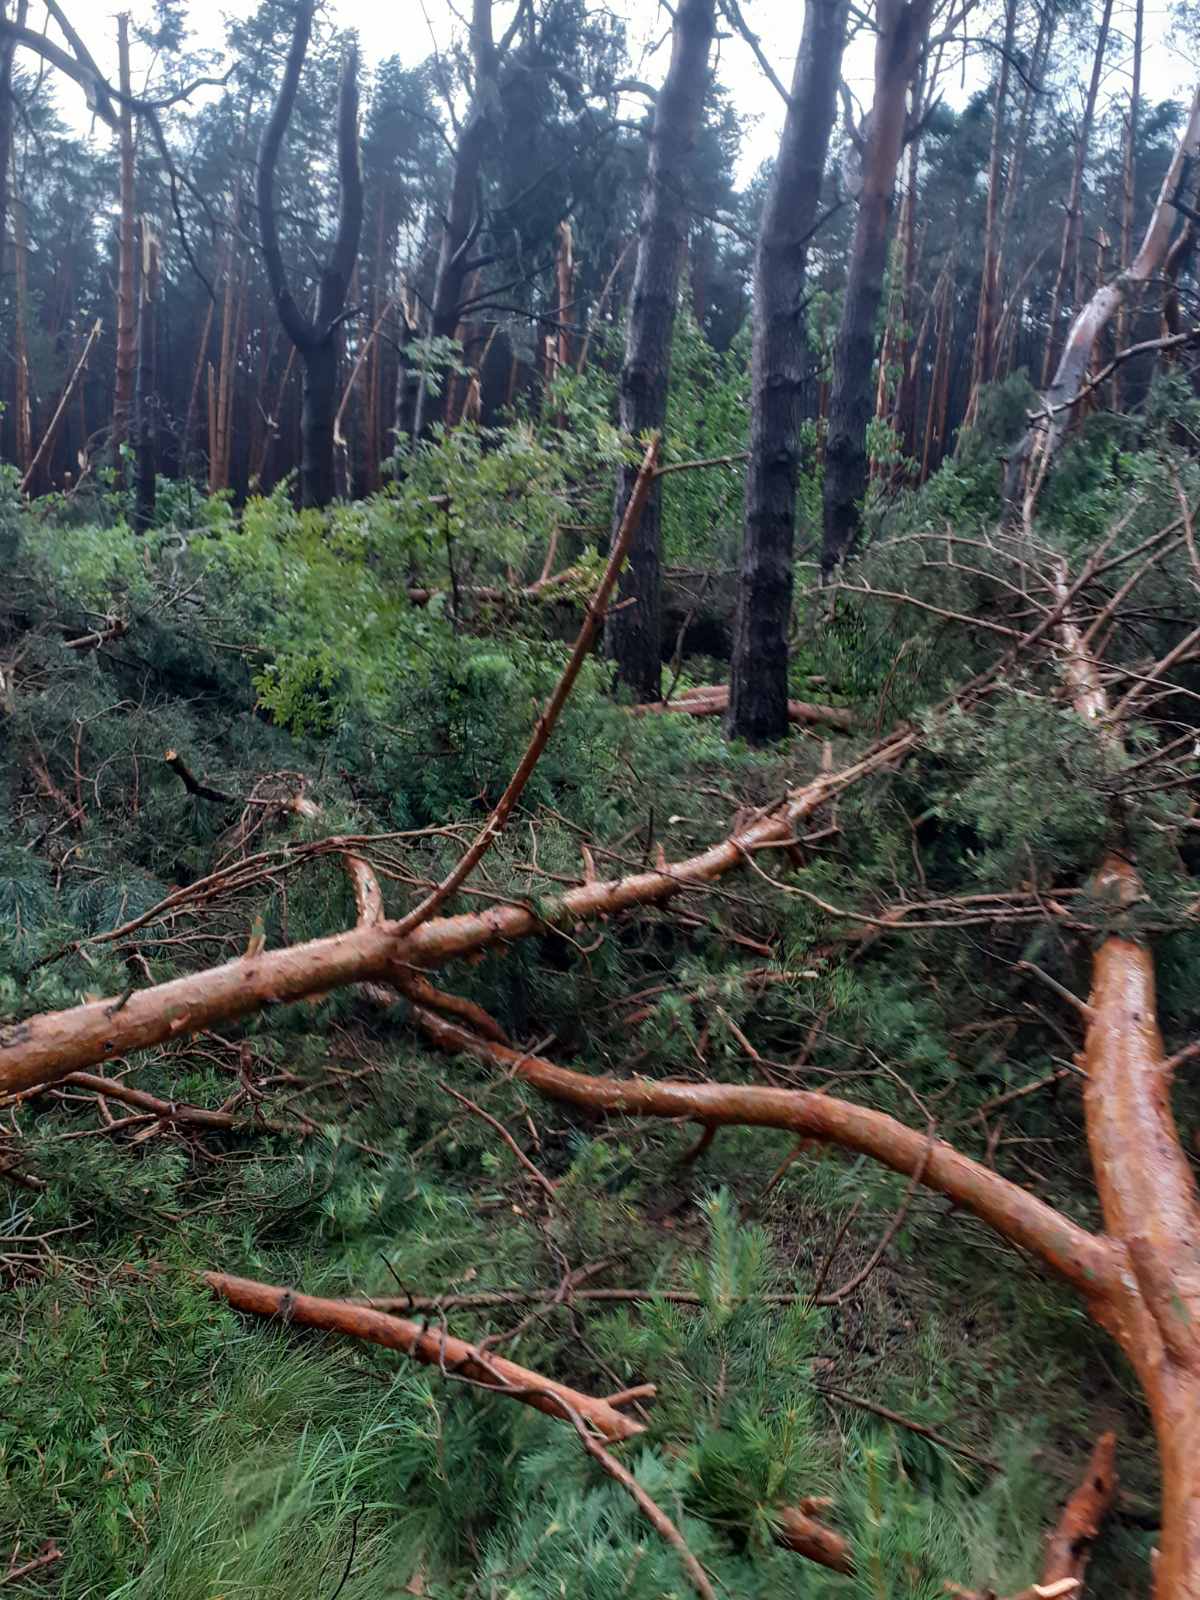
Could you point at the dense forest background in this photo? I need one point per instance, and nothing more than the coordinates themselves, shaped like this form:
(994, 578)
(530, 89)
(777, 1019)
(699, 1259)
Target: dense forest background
(739, 634)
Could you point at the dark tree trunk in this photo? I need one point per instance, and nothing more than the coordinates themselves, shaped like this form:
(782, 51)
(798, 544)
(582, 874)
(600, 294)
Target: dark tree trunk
(317, 338)
(758, 699)
(903, 25)
(146, 403)
(461, 222)
(126, 274)
(633, 636)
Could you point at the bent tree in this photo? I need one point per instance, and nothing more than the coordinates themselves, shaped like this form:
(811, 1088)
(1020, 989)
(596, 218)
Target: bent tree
(634, 634)
(758, 695)
(1138, 1274)
(317, 338)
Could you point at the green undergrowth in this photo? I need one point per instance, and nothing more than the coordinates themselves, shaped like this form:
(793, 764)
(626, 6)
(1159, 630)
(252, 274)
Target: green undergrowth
(176, 1449)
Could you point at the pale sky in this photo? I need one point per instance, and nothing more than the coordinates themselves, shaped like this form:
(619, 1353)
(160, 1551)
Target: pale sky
(399, 28)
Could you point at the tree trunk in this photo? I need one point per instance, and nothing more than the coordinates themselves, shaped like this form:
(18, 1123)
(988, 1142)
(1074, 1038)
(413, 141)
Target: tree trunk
(126, 268)
(903, 25)
(1031, 460)
(983, 358)
(147, 385)
(1073, 222)
(22, 406)
(316, 338)
(1128, 184)
(461, 221)
(758, 708)
(318, 403)
(633, 637)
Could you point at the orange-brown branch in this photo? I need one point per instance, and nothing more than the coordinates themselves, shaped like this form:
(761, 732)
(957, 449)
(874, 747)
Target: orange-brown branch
(432, 1346)
(45, 1048)
(1069, 1548)
(1087, 1262)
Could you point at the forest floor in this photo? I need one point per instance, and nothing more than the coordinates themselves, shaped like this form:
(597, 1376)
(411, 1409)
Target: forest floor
(155, 1441)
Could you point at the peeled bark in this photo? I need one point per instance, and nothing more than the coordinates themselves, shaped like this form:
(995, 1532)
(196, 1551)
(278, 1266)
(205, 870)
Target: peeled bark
(758, 701)
(1069, 258)
(902, 25)
(633, 637)
(317, 338)
(126, 264)
(1031, 460)
(146, 436)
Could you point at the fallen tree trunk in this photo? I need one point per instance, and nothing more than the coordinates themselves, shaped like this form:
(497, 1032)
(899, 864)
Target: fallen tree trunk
(433, 1346)
(45, 1048)
(714, 701)
(1030, 462)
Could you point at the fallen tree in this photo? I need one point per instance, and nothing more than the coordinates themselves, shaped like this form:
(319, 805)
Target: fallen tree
(1030, 462)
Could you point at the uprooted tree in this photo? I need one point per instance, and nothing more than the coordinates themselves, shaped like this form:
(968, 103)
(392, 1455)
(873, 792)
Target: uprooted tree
(1138, 1274)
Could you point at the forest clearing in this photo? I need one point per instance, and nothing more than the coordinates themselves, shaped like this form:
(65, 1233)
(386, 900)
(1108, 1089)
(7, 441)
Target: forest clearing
(599, 747)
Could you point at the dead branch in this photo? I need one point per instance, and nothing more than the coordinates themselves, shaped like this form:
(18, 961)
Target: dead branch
(47, 1557)
(910, 1424)
(195, 785)
(538, 1177)
(652, 1511)
(433, 1347)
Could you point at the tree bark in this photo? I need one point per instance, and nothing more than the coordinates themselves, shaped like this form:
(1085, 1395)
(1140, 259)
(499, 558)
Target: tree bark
(1069, 257)
(126, 262)
(903, 25)
(316, 338)
(146, 435)
(633, 637)
(758, 700)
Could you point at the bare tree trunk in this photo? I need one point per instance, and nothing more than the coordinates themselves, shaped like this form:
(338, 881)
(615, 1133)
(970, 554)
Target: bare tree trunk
(983, 358)
(126, 266)
(22, 406)
(758, 709)
(147, 385)
(903, 25)
(633, 636)
(317, 337)
(1128, 184)
(1068, 260)
(1031, 460)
